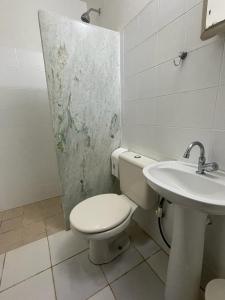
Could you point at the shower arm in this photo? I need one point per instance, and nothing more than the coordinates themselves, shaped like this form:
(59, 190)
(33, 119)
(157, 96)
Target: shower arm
(96, 10)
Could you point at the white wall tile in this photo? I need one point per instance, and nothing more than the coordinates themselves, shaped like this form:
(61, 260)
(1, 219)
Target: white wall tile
(170, 11)
(131, 35)
(222, 77)
(194, 73)
(176, 105)
(191, 3)
(219, 148)
(188, 109)
(148, 21)
(141, 57)
(171, 40)
(171, 142)
(219, 119)
(148, 83)
(202, 67)
(146, 111)
(131, 88)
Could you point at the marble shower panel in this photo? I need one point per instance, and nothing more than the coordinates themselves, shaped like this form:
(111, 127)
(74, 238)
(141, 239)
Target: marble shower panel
(82, 65)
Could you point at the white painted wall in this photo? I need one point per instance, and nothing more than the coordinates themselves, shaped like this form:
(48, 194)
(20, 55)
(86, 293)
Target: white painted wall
(28, 168)
(115, 13)
(164, 107)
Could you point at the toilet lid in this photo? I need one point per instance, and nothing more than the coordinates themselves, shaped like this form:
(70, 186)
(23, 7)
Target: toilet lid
(100, 213)
(215, 290)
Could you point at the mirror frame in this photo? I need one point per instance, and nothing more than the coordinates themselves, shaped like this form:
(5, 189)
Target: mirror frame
(210, 32)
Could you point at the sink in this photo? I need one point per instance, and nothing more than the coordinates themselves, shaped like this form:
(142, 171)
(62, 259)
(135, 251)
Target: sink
(178, 182)
(194, 196)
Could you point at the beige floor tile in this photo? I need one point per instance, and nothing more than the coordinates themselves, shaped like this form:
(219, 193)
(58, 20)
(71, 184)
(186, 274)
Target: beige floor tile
(1, 215)
(32, 214)
(32, 222)
(54, 224)
(12, 213)
(11, 224)
(51, 207)
(33, 232)
(10, 240)
(32, 238)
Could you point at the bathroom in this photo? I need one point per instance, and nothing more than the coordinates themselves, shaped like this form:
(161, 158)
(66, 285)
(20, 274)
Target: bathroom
(97, 98)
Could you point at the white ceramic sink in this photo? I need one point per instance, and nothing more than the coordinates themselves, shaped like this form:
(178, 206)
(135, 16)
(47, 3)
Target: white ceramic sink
(194, 196)
(178, 182)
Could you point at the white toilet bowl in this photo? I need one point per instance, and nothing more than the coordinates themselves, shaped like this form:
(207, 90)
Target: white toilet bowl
(103, 219)
(215, 290)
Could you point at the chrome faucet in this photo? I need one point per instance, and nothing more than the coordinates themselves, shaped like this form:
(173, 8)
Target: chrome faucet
(202, 165)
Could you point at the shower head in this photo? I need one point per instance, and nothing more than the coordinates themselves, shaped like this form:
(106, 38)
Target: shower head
(86, 16)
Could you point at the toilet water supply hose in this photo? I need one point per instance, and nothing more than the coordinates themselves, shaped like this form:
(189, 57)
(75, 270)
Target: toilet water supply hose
(160, 215)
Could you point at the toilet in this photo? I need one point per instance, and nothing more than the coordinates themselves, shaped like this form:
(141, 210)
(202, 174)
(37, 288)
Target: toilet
(215, 290)
(102, 219)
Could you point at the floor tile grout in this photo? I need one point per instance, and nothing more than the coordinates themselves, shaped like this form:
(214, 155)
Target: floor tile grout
(44, 220)
(64, 260)
(114, 280)
(108, 283)
(3, 265)
(53, 279)
(19, 282)
(154, 272)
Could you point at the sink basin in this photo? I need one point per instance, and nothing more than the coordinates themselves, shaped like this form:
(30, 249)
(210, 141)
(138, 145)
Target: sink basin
(178, 182)
(194, 196)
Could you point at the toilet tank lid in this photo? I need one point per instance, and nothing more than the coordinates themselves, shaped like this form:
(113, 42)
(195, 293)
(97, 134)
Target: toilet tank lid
(215, 290)
(137, 159)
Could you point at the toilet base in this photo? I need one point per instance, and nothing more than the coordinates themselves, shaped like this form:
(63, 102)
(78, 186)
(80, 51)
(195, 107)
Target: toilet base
(104, 251)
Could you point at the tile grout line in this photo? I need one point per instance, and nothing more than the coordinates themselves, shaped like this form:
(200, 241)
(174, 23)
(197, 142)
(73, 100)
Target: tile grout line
(50, 257)
(185, 91)
(19, 282)
(158, 28)
(3, 266)
(114, 280)
(153, 271)
(35, 237)
(51, 267)
(64, 260)
(109, 283)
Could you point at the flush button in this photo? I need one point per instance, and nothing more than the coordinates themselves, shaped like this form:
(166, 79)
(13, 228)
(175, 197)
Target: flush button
(137, 156)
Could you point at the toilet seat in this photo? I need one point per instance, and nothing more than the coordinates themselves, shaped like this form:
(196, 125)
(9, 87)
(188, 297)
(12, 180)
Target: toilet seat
(215, 290)
(100, 213)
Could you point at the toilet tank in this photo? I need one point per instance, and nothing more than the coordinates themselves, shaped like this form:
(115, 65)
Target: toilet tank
(132, 181)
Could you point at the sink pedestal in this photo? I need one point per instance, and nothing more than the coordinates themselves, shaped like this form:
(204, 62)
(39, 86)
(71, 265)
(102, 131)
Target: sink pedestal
(185, 263)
